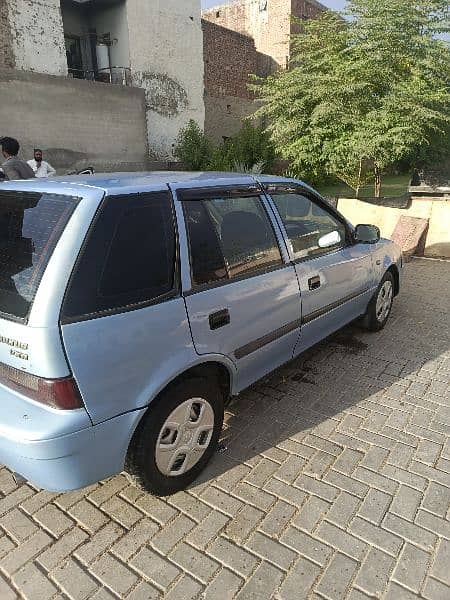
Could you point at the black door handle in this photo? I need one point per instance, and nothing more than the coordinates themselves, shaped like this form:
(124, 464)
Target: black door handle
(219, 319)
(314, 282)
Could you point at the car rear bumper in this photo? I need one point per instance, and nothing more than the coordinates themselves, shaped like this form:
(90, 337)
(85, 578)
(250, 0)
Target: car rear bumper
(74, 460)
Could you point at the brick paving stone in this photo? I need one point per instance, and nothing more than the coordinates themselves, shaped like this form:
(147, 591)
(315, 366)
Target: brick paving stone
(343, 509)
(412, 567)
(406, 502)
(337, 577)
(96, 544)
(185, 589)
(434, 524)
(190, 506)
(144, 591)
(33, 584)
(437, 499)
(374, 506)
(135, 539)
(306, 545)
(374, 574)
(171, 534)
(225, 586)
(300, 580)
(246, 521)
(312, 512)
(376, 536)
(53, 519)
(409, 531)
(231, 555)
(121, 511)
(112, 573)
(221, 500)
(6, 591)
(271, 550)
(263, 584)
(194, 562)
(262, 472)
(25, 552)
(207, 530)
(396, 592)
(316, 487)
(18, 525)
(341, 540)
(88, 516)
(155, 567)
(74, 580)
(441, 565)
(435, 590)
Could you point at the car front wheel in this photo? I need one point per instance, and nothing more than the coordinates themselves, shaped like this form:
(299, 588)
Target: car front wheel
(380, 306)
(177, 437)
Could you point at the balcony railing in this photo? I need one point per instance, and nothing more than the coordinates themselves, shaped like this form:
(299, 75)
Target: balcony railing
(114, 75)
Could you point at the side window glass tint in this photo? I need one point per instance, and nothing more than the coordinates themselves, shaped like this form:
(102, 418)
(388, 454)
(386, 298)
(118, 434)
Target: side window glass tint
(307, 223)
(129, 258)
(207, 261)
(236, 238)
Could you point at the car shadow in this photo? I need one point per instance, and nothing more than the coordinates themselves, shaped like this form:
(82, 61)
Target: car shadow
(343, 392)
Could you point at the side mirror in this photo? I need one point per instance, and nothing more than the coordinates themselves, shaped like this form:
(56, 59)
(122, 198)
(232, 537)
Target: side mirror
(330, 239)
(367, 234)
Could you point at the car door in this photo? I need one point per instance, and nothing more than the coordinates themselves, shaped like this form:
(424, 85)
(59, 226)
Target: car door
(335, 275)
(243, 299)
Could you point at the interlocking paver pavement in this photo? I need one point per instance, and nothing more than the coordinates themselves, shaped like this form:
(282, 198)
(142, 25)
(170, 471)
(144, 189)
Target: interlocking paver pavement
(333, 482)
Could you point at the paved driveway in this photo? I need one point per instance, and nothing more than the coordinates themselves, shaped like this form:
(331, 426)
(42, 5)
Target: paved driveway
(333, 481)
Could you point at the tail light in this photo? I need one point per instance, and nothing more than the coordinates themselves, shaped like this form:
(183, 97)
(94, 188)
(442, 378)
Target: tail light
(62, 394)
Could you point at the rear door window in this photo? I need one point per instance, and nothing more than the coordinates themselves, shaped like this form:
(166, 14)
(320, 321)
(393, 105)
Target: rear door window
(30, 227)
(129, 257)
(229, 238)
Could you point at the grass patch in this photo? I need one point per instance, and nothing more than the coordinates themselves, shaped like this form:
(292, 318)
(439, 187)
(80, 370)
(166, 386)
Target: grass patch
(391, 185)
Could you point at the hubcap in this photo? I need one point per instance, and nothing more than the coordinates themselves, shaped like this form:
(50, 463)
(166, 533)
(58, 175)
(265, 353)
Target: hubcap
(184, 437)
(384, 301)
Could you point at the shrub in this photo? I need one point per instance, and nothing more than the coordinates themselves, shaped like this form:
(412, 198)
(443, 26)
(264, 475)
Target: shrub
(193, 148)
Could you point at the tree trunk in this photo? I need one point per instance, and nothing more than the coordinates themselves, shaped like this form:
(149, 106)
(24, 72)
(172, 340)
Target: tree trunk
(377, 182)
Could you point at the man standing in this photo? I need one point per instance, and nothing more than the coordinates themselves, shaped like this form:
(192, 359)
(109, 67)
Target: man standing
(13, 167)
(41, 167)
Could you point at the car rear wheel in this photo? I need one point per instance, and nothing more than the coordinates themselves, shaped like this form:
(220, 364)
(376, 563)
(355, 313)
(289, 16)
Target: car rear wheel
(177, 437)
(380, 306)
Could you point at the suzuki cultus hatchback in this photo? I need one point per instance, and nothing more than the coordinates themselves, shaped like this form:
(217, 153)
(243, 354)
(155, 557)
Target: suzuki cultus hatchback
(132, 306)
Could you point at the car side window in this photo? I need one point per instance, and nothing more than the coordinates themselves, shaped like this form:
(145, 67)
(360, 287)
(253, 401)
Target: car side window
(229, 238)
(311, 229)
(129, 258)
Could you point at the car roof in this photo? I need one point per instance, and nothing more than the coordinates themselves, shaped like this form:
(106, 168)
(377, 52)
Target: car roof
(119, 183)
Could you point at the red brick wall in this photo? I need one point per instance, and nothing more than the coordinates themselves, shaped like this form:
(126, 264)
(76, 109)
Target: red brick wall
(229, 59)
(302, 9)
(6, 52)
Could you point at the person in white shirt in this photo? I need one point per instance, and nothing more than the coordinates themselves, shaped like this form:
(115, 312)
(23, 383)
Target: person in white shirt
(40, 167)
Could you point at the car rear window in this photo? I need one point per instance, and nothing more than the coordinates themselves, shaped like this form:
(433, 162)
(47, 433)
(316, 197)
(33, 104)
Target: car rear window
(30, 227)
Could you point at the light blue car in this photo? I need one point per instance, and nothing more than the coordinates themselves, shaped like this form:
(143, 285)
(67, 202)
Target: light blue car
(133, 306)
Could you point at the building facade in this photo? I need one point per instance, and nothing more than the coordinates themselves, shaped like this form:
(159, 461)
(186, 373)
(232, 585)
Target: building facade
(241, 38)
(144, 44)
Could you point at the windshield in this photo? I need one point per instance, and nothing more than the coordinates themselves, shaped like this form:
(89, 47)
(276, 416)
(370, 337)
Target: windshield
(30, 226)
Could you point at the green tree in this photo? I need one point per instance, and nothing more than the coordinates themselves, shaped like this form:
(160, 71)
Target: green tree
(193, 148)
(370, 89)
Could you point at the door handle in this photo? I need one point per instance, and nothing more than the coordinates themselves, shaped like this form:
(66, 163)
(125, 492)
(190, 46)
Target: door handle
(314, 282)
(219, 319)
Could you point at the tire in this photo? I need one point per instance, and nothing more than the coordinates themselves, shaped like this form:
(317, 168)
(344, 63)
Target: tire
(166, 455)
(380, 306)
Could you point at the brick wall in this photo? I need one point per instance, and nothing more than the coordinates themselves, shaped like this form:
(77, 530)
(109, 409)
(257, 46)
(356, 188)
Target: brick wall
(268, 24)
(229, 58)
(6, 53)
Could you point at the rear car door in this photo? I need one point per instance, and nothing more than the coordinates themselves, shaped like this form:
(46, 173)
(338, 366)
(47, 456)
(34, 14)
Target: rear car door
(243, 300)
(124, 321)
(335, 276)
